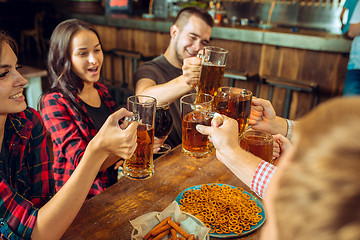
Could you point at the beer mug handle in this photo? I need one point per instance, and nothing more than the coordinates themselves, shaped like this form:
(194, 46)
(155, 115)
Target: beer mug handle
(204, 57)
(127, 120)
(200, 53)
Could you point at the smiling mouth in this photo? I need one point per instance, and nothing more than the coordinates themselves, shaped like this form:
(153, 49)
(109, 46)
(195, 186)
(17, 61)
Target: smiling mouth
(192, 54)
(18, 95)
(94, 69)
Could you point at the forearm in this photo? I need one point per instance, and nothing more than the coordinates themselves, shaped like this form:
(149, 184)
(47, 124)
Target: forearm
(354, 30)
(279, 126)
(243, 164)
(110, 160)
(167, 92)
(56, 216)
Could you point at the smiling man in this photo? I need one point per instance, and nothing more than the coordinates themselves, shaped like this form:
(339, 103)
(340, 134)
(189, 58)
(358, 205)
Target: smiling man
(177, 71)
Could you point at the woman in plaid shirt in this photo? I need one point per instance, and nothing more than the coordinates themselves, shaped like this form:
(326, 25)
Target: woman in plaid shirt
(28, 207)
(77, 105)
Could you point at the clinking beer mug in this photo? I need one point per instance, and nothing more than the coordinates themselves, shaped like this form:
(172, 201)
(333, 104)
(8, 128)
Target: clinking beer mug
(194, 112)
(213, 62)
(140, 165)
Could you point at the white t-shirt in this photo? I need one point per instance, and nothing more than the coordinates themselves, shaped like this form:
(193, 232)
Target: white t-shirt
(354, 59)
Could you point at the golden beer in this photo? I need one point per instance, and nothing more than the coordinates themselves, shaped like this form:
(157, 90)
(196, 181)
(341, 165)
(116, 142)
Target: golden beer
(234, 103)
(194, 112)
(140, 165)
(192, 141)
(213, 62)
(211, 78)
(258, 143)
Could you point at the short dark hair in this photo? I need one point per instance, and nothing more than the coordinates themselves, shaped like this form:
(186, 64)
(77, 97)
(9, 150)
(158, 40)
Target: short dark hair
(187, 12)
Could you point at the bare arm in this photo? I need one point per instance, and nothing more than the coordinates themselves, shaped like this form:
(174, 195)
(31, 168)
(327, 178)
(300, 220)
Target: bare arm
(263, 118)
(56, 216)
(167, 92)
(354, 30)
(225, 139)
(175, 88)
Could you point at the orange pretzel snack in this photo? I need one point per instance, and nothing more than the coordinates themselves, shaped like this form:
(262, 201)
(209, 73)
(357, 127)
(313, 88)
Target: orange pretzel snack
(221, 208)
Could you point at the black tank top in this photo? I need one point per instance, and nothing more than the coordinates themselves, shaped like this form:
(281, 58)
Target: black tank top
(98, 115)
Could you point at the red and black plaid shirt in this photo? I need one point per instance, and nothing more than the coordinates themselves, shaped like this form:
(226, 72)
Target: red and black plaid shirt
(26, 179)
(71, 134)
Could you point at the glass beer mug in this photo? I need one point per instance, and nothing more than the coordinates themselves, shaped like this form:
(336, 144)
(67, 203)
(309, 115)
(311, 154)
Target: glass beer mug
(213, 62)
(140, 165)
(258, 143)
(194, 112)
(235, 103)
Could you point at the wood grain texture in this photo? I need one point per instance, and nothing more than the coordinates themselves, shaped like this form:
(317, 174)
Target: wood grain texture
(107, 215)
(327, 69)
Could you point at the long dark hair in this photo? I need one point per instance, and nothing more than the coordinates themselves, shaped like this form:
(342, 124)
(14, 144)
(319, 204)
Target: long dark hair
(5, 38)
(61, 76)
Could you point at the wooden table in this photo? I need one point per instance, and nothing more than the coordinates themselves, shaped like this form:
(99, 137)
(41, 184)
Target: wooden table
(107, 215)
(33, 87)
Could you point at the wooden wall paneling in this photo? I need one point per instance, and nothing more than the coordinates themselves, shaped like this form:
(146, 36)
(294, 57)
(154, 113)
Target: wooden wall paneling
(232, 62)
(162, 42)
(112, 70)
(123, 39)
(242, 57)
(107, 35)
(253, 59)
(265, 67)
(118, 75)
(302, 103)
(340, 73)
(269, 63)
(286, 63)
(325, 68)
(290, 65)
(107, 70)
(291, 62)
(141, 43)
(108, 41)
(248, 59)
(151, 43)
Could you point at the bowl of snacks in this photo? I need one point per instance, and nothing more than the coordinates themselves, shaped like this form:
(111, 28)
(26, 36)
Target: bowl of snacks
(219, 207)
(169, 224)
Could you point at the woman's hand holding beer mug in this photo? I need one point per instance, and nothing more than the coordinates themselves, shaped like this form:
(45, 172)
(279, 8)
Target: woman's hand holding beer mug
(114, 140)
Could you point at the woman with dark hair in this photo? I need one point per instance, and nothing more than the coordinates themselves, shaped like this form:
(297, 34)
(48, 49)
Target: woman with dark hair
(29, 207)
(77, 105)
